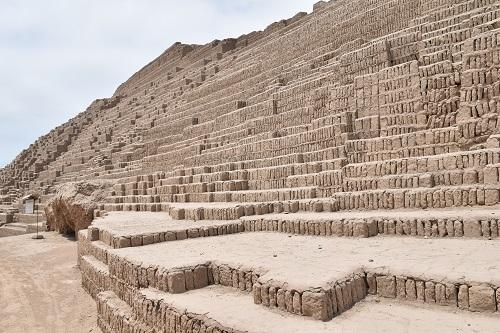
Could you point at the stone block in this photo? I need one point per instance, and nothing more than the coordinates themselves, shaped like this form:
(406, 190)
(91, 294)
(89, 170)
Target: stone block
(498, 299)
(463, 297)
(181, 235)
(136, 240)
(482, 299)
(147, 240)
(200, 277)
(273, 297)
(360, 229)
(410, 290)
(93, 233)
(491, 197)
(386, 286)
(264, 295)
(472, 228)
(400, 287)
(340, 299)
(257, 298)
(347, 295)
(426, 180)
(176, 282)
(430, 292)
(440, 292)
(289, 301)
(297, 303)
(124, 242)
(420, 288)
(280, 299)
(315, 305)
(372, 283)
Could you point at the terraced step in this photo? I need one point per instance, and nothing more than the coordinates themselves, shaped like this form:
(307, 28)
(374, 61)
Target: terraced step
(119, 229)
(420, 197)
(206, 310)
(320, 277)
(116, 316)
(226, 210)
(474, 222)
(171, 194)
(12, 229)
(15, 229)
(95, 275)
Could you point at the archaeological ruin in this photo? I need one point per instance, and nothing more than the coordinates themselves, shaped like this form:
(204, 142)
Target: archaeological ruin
(337, 167)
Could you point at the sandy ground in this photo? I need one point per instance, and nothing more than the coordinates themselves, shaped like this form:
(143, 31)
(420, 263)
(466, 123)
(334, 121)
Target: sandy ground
(40, 287)
(372, 315)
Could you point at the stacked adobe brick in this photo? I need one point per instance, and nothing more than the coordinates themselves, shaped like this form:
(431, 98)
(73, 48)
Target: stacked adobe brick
(387, 107)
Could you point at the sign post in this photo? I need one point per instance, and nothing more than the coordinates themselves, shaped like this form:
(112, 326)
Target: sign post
(37, 236)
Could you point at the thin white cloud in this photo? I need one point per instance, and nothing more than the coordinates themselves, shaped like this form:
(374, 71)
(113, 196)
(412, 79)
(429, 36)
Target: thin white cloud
(57, 56)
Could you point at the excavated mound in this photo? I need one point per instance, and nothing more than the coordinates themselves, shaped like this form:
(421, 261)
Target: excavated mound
(337, 167)
(72, 207)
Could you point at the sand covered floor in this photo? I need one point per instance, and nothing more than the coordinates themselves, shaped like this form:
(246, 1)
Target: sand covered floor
(127, 224)
(304, 261)
(40, 288)
(372, 315)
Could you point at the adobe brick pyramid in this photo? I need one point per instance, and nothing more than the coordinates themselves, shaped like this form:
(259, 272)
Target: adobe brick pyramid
(336, 172)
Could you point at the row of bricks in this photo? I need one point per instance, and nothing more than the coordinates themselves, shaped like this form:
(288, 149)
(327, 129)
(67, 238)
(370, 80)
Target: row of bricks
(115, 241)
(456, 161)
(476, 298)
(319, 304)
(318, 205)
(412, 152)
(114, 316)
(474, 227)
(443, 178)
(428, 137)
(317, 154)
(479, 127)
(222, 186)
(444, 197)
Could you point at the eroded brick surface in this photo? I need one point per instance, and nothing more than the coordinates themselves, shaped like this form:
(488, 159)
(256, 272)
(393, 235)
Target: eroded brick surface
(375, 128)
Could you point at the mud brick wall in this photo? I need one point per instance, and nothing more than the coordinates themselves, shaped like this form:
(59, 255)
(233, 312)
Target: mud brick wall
(480, 87)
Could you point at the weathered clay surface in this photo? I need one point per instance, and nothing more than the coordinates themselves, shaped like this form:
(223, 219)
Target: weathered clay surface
(348, 152)
(72, 207)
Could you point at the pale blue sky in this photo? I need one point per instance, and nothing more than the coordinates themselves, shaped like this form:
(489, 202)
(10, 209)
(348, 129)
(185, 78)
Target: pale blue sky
(57, 56)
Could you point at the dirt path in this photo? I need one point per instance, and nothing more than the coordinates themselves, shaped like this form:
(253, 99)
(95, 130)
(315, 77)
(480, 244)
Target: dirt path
(40, 287)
